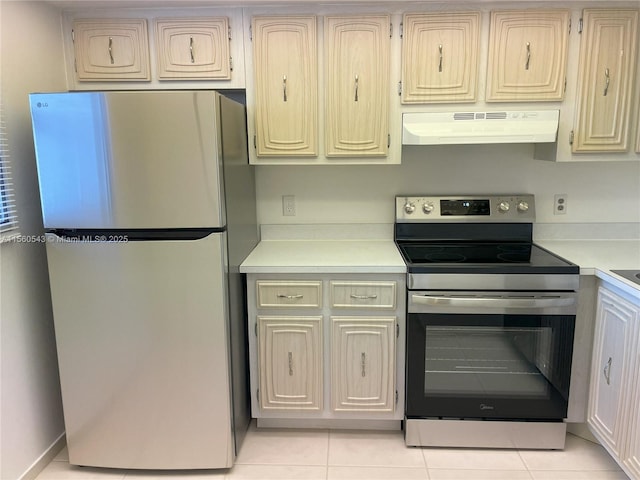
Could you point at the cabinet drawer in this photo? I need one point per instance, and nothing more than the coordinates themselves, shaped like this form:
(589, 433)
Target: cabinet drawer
(275, 294)
(380, 295)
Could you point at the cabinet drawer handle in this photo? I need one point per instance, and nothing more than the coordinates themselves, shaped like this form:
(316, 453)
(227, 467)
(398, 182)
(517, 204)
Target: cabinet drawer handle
(363, 297)
(363, 364)
(111, 49)
(284, 88)
(606, 81)
(526, 65)
(607, 371)
(193, 60)
(440, 61)
(290, 364)
(290, 297)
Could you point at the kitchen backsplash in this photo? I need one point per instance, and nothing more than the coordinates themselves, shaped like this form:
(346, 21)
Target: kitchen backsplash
(596, 192)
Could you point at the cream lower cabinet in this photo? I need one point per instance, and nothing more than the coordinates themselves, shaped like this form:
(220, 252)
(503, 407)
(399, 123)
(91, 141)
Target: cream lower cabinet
(363, 363)
(614, 398)
(326, 348)
(290, 356)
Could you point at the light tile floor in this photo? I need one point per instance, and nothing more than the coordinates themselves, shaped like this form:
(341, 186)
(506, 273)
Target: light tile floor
(281, 454)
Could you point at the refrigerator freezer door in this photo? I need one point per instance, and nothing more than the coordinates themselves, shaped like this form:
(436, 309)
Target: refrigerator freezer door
(128, 160)
(142, 335)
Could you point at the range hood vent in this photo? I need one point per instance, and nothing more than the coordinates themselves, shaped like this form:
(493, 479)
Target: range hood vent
(452, 128)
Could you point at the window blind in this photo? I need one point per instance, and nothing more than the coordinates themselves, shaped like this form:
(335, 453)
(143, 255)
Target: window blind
(8, 211)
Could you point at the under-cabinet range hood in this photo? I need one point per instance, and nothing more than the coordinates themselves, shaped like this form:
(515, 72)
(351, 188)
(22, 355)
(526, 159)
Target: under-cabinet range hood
(504, 126)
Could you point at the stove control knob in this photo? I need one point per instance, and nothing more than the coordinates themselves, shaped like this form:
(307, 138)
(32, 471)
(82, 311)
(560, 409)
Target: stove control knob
(523, 206)
(504, 207)
(409, 208)
(427, 208)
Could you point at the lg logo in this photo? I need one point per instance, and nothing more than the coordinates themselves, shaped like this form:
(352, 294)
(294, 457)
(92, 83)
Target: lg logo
(40, 104)
(485, 407)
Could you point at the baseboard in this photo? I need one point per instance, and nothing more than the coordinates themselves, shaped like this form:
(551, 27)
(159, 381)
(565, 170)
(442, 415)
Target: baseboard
(330, 423)
(45, 459)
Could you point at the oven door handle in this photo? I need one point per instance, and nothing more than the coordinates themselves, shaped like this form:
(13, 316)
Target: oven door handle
(494, 302)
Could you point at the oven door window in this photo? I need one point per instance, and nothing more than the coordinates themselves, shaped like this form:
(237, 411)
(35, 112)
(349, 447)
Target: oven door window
(489, 366)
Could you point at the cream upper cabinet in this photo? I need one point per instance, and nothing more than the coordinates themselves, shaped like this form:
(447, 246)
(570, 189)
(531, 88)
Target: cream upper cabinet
(608, 56)
(527, 55)
(193, 48)
(357, 85)
(440, 57)
(285, 61)
(111, 49)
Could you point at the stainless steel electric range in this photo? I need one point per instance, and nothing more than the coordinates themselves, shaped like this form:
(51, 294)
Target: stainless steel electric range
(490, 324)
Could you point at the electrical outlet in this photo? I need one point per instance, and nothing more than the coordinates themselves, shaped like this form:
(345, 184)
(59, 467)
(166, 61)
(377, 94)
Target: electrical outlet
(560, 204)
(288, 205)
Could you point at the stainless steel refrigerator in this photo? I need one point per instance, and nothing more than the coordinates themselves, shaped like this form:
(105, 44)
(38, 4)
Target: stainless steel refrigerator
(148, 203)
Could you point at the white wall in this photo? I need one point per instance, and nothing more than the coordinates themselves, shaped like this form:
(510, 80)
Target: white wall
(598, 192)
(30, 409)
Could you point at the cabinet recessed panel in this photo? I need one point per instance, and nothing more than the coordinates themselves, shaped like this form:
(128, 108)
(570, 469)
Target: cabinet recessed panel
(440, 57)
(610, 368)
(357, 77)
(286, 73)
(108, 49)
(527, 55)
(193, 48)
(363, 366)
(608, 56)
(290, 362)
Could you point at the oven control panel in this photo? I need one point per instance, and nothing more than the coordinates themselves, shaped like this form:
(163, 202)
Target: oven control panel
(465, 208)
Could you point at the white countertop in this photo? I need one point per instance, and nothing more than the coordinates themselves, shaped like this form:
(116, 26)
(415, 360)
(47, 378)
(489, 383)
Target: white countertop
(599, 257)
(370, 249)
(324, 256)
(329, 248)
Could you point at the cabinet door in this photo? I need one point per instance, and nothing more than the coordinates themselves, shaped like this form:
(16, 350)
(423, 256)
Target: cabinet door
(527, 55)
(357, 77)
(610, 369)
(638, 139)
(440, 57)
(285, 62)
(608, 52)
(193, 48)
(290, 362)
(363, 363)
(631, 458)
(108, 49)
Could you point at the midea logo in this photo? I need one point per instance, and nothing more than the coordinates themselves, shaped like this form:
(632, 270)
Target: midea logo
(485, 407)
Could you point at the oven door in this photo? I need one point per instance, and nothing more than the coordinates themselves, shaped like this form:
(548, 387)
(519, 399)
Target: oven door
(489, 355)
